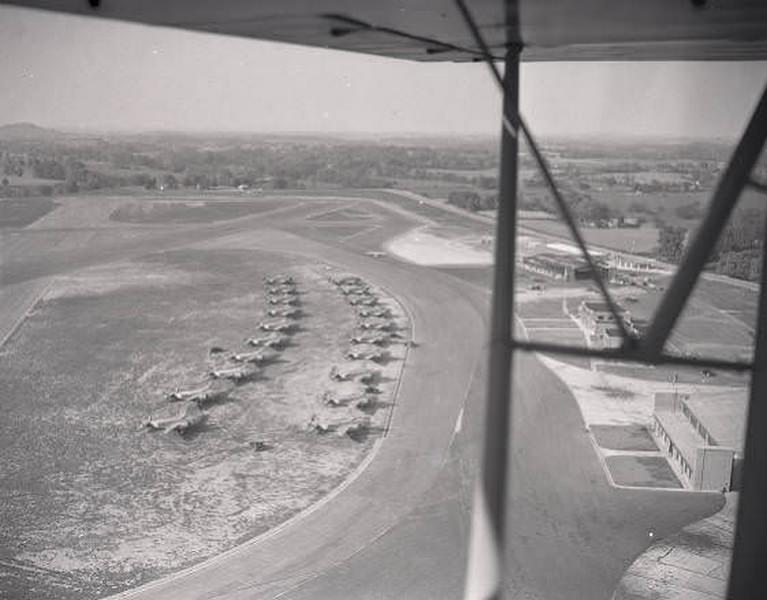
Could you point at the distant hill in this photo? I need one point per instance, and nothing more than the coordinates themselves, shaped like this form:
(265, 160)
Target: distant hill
(27, 131)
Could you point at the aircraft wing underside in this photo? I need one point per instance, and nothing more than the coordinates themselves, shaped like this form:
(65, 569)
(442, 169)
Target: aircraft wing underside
(433, 30)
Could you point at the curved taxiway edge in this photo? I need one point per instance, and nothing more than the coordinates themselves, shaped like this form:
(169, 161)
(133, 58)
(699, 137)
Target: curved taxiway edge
(407, 461)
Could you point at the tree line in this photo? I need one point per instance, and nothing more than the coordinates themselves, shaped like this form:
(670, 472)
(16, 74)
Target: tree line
(737, 253)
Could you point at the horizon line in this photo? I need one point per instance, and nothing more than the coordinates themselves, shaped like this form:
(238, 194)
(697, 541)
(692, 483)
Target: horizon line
(192, 132)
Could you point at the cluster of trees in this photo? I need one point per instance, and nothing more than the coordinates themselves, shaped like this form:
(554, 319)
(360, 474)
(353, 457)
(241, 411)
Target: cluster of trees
(12, 164)
(738, 252)
(592, 212)
(588, 211)
(233, 163)
(55, 165)
(671, 243)
(746, 264)
(66, 175)
(483, 182)
(181, 161)
(47, 168)
(472, 201)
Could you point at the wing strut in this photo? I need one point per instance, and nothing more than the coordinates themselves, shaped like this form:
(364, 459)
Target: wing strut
(748, 575)
(486, 547)
(512, 122)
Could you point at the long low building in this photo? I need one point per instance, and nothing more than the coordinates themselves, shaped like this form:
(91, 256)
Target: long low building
(631, 264)
(562, 266)
(702, 436)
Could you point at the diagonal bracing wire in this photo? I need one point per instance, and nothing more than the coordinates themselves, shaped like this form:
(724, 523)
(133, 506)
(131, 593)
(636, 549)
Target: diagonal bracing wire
(514, 122)
(632, 355)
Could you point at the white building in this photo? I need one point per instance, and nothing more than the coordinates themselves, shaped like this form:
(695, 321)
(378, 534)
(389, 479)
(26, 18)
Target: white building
(702, 436)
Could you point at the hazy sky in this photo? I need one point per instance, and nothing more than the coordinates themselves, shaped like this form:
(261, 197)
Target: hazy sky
(72, 72)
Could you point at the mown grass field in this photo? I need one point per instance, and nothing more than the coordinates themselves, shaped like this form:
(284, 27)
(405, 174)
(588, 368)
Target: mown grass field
(91, 501)
(643, 471)
(20, 212)
(181, 212)
(641, 240)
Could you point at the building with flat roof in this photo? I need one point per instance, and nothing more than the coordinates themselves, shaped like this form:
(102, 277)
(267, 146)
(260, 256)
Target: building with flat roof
(596, 317)
(562, 266)
(702, 436)
(720, 417)
(608, 337)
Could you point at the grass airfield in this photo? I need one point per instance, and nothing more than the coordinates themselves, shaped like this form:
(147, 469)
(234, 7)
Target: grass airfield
(94, 502)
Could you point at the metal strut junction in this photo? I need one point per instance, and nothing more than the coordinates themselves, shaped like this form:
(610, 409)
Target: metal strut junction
(487, 549)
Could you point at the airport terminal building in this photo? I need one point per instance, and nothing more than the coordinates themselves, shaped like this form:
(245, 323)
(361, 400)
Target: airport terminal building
(702, 435)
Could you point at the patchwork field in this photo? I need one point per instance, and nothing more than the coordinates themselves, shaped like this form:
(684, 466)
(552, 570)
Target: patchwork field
(717, 322)
(24, 211)
(643, 239)
(92, 501)
(642, 471)
(172, 212)
(341, 215)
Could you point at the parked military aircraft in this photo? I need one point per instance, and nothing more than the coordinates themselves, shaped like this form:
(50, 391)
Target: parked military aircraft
(362, 300)
(284, 299)
(375, 254)
(354, 374)
(593, 30)
(377, 324)
(288, 311)
(261, 445)
(284, 289)
(318, 426)
(373, 311)
(336, 400)
(357, 429)
(366, 353)
(347, 280)
(239, 374)
(367, 404)
(379, 339)
(273, 340)
(280, 279)
(258, 357)
(190, 416)
(204, 394)
(284, 325)
(358, 289)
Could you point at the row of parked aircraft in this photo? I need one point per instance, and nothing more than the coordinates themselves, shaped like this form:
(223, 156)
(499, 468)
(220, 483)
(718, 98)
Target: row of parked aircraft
(283, 300)
(377, 329)
(357, 386)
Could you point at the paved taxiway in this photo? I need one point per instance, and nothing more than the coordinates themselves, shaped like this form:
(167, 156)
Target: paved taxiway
(572, 535)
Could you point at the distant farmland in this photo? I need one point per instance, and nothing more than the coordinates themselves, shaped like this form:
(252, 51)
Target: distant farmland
(20, 212)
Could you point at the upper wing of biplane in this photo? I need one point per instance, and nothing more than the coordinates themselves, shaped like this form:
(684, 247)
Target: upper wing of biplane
(433, 30)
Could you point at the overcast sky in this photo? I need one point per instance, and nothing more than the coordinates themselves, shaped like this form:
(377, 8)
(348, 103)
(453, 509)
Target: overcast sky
(72, 72)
